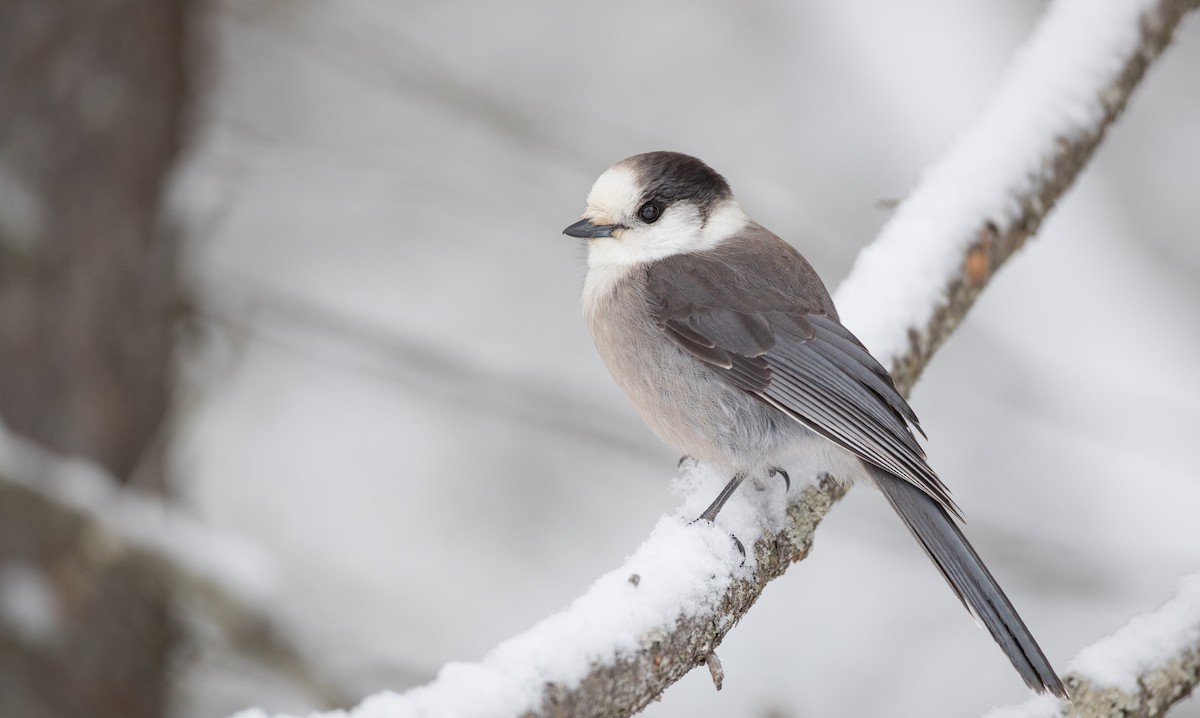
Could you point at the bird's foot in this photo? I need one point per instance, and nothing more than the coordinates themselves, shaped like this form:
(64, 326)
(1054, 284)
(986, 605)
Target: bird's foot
(787, 480)
(685, 462)
(741, 549)
(710, 514)
(737, 542)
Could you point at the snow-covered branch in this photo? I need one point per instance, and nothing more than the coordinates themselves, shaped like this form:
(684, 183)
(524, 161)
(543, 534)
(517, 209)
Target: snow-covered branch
(643, 626)
(993, 188)
(1140, 671)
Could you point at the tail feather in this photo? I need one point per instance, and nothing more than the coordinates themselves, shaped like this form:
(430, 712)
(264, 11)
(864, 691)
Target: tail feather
(942, 539)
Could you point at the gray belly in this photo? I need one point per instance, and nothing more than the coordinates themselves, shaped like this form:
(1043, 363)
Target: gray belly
(685, 402)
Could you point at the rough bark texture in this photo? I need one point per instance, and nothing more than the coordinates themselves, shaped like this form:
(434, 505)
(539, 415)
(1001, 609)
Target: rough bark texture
(1158, 690)
(91, 107)
(627, 686)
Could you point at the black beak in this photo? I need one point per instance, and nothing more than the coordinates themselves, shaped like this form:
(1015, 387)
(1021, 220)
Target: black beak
(584, 229)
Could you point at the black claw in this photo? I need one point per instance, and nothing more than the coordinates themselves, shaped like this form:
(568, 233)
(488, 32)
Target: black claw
(710, 514)
(736, 541)
(787, 480)
(684, 461)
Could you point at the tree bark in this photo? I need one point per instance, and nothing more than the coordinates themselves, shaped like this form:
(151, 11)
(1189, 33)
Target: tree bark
(92, 100)
(90, 124)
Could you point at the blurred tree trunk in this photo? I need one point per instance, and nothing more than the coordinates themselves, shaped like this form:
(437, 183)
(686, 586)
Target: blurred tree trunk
(91, 120)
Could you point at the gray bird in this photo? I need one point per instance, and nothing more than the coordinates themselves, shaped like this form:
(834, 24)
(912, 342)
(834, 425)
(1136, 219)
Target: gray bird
(729, 345)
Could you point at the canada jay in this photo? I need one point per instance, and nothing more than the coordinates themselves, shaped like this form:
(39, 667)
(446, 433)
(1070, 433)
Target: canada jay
(729, 346)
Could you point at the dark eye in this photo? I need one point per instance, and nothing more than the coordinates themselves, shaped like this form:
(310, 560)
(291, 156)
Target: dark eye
(650, 212)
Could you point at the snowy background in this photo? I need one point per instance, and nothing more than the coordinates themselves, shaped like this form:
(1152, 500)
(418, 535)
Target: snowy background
(395, 397)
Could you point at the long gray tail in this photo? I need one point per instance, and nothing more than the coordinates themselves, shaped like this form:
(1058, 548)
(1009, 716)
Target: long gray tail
(944, 542)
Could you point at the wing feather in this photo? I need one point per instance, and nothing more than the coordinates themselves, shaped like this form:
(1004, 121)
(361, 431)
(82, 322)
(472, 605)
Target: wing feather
(769, 328)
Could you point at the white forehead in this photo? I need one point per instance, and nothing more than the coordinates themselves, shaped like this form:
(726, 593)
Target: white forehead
(615, 191)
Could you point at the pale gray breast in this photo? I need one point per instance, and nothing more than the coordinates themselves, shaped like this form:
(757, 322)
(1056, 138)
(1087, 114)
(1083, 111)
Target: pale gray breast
(682, 399)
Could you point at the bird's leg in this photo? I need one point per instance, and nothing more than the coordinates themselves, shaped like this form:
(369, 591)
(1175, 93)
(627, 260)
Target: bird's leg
(787, 480)
(710, 514)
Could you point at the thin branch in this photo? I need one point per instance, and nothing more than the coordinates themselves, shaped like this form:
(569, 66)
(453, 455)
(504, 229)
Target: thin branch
(995, 223)
(1140, 671)
(583, 661)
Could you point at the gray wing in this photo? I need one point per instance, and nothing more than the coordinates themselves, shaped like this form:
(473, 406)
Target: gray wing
(767, 325)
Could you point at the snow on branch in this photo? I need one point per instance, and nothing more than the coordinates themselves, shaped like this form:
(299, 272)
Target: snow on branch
(995, 185)
(1141, 670)
(643, 626)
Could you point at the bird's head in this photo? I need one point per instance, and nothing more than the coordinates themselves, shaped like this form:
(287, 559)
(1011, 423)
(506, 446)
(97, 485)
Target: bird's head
(655, 205)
